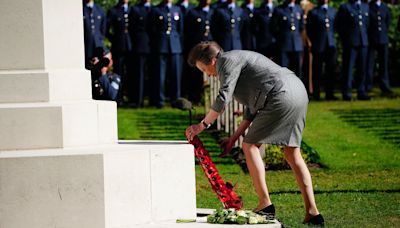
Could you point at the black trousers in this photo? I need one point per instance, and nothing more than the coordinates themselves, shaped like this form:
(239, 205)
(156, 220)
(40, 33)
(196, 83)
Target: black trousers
(378, 53)
(323, 71)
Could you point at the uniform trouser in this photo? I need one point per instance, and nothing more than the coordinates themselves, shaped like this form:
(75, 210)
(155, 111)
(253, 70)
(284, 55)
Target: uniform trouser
(351, 57)
(173, 62)
(381, 52)
(123, 63)
(292, 60)
(139, 67)
(327, 57)
(268, 51)
(195, 84)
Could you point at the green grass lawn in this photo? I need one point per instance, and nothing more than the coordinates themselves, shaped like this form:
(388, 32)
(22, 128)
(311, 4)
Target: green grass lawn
(358, 186)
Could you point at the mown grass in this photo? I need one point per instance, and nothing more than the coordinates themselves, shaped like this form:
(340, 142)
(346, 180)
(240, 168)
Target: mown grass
(358, 186)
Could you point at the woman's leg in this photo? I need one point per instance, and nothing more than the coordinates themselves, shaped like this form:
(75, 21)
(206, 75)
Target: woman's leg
(303, 177)
(256, 168)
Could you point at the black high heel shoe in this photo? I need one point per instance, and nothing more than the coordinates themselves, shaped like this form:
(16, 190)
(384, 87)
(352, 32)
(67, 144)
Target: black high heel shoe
(316, 220)
(268, 211)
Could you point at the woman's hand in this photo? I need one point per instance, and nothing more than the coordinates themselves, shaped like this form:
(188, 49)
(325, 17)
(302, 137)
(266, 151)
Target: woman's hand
(193, 130)
(227, 145)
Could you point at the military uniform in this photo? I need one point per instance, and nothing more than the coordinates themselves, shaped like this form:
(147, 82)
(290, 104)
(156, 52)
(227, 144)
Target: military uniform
(185, 7)
(352, 25)
(121, 44)
(94, 28)
(166, 34)
(226, 26)
(139, 21)
(320, 30)
(265, 39)
(287, 25)
(248, 29)
(197, 29)
(379, 16)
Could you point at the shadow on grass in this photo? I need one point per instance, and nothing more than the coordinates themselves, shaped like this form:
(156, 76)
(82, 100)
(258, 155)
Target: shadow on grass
(384, 123)
(340, 191)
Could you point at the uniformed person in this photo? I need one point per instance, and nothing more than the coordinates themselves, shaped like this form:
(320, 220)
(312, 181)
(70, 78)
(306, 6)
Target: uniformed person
(139, 20)
(352, 25)
(185, 6)
(166, 27)
(320, 30)
(226, 26)
(94, 28)
(121, 43)
(265, 39)
(379, 16)
(197, 29)
(287, 25)
(218, 4)
(248, 29)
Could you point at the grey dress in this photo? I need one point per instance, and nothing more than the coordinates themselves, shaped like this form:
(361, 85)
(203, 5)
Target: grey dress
(275, 99)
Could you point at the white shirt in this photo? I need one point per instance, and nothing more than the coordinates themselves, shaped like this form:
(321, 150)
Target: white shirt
(250, 6)
(90, 4)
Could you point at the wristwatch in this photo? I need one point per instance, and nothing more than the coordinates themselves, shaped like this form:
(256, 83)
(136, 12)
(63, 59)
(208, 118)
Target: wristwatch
(205, 124)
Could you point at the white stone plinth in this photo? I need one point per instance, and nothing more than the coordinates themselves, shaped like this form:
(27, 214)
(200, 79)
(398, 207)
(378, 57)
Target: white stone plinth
(57, 125)
(43, 86)
(112, 186)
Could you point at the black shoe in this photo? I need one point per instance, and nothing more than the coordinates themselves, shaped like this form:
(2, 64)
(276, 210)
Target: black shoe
(316, 220)
(269, 212)
(363, 97)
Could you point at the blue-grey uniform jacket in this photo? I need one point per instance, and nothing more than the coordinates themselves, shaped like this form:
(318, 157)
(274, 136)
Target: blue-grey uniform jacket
(249, 77)
(320, 28)
(287, 26)
(379, 23)
(139, 24)
(262, 23)
(226, 27)
(352, 24)
(197, 27)
(248, 29)
(118, 29)
(166, 29)
(94, 27)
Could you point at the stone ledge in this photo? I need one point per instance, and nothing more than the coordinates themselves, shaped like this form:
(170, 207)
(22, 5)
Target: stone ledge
(57, 124)
(98, 187)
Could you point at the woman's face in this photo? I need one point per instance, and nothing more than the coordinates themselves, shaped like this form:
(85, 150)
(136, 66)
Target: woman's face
(210, 69)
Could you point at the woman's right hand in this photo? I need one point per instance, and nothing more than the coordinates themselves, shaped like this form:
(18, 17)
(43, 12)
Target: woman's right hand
(226, 145)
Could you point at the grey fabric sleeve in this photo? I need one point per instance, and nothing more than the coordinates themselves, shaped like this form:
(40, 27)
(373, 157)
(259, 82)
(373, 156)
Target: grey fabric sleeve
(247, 114)
(228, 73)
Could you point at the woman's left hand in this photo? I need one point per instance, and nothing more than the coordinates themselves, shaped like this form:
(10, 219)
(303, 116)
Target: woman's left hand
(192, 131)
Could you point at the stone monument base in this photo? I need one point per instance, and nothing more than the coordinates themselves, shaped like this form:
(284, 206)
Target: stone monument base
(110, 186)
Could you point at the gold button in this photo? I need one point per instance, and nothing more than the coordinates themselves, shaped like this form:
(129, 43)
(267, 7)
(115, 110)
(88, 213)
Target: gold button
(292, 27)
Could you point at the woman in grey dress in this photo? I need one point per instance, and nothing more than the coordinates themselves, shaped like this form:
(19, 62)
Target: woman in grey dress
(276, 106)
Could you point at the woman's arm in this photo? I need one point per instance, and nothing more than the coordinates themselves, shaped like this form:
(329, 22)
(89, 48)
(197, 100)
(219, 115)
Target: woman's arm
(228, 143)
(196, 129)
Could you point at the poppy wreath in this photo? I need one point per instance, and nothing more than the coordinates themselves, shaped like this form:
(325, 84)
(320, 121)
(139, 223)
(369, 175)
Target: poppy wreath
(224, 191)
